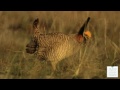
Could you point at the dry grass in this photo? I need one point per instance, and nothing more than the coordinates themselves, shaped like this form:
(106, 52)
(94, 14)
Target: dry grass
(90, 62)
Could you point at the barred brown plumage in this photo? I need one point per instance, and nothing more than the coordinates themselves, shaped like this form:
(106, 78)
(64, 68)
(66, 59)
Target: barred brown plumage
(54, 47)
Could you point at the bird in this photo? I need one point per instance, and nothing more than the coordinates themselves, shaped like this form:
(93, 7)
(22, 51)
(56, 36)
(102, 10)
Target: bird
(54, 47)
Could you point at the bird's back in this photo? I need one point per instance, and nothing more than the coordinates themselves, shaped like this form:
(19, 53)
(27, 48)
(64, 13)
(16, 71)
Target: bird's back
(56, 46)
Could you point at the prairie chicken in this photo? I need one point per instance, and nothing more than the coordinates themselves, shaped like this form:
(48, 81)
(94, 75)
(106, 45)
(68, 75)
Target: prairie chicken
(54, 47)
